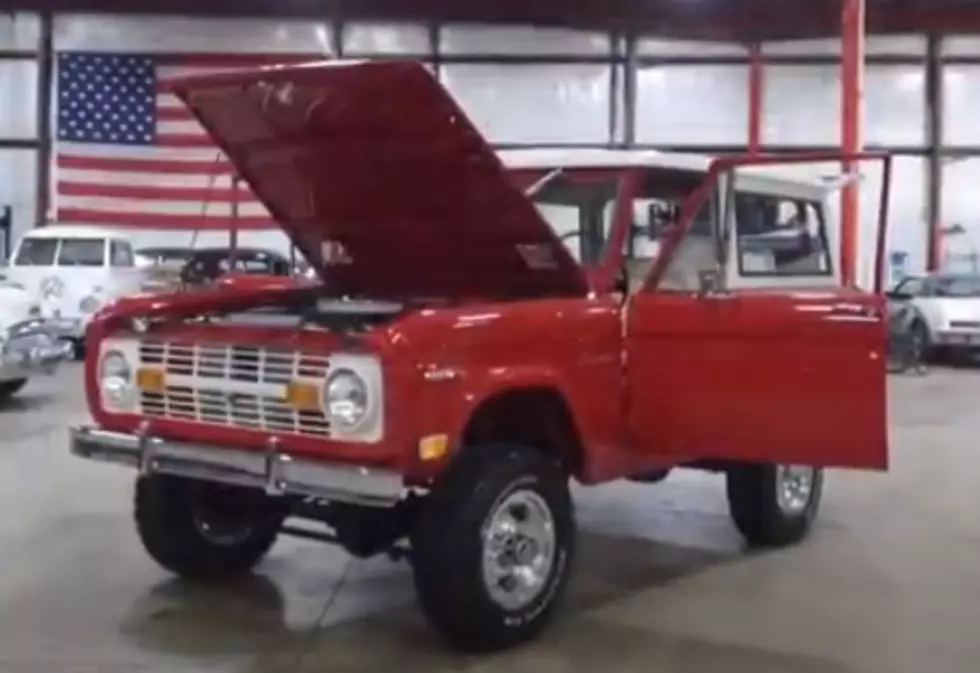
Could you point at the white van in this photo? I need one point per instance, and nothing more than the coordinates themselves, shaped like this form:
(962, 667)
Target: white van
(72, 271)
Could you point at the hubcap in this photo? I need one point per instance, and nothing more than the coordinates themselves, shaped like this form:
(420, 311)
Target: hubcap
(794, 487)
(518, 549)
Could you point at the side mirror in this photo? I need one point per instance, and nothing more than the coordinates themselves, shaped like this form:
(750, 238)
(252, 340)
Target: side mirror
(898, 296)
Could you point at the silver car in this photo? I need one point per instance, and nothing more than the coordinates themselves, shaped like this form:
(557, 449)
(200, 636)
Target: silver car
(944, 311)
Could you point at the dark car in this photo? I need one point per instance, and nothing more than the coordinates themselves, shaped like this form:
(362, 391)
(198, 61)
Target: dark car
(206, 265)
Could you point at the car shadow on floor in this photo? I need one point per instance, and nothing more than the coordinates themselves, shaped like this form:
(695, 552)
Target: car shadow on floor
(26, 401)
(252, 622)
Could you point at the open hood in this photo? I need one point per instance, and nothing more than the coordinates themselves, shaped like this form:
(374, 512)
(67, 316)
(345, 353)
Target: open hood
(382, 182)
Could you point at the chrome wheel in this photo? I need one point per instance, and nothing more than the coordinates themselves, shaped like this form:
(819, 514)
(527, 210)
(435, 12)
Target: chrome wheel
(518, 549)
(794, 487)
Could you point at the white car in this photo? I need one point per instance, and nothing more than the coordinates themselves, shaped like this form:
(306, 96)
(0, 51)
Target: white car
(27, 346)
(73, 271)
(944, 311)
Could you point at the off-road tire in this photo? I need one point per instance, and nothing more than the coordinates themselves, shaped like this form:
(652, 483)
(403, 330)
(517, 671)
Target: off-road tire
(167, 523)
(447, 546)
(10, 388)
(755, 510)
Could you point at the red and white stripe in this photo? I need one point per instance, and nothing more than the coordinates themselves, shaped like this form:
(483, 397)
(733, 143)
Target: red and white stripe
(181, 182)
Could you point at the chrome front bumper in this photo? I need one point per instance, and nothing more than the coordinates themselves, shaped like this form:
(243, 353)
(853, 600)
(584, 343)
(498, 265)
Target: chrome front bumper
(275, 473)
(30, 348)
(72, 329)
(962, 339)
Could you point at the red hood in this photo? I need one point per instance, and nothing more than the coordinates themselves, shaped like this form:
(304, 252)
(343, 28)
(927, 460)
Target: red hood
(382, 182)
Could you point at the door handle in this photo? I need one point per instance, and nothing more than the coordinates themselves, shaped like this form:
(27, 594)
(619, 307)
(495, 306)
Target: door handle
(855, 310)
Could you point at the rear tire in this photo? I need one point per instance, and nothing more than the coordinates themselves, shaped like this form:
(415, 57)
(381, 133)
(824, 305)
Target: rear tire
(493, 547)
(203, 531)
(10, 388)
(774, 505)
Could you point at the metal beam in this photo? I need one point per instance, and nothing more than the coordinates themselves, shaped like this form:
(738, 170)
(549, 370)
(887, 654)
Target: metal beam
(629, 89)
(756, 95)
(852, 113)
(934, 152)
(45, 91)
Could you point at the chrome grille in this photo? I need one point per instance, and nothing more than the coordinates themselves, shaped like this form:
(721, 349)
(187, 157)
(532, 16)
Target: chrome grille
(233, 386)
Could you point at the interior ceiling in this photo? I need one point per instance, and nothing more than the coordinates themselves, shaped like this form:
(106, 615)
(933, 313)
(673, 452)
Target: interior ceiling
(710, 19)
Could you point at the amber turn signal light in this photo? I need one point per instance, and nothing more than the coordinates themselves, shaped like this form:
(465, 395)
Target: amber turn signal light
(303, 396)
(433, 447)
(150, 380)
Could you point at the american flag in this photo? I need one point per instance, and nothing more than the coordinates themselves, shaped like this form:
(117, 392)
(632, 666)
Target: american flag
(129, 154)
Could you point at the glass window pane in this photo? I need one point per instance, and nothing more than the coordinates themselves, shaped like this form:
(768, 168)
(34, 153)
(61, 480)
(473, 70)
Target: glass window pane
(466, 39)
(19, 30)
(649, 46)
(188, 35)
(534, 103)
(18, 99)
(681, 104)
(385, 38)
(961, 45)
(894, 98)
(17, 191)
(876, 45)
(961, 86)
(36, 252)
(961, 203)
(801, 105)
(82, 252)
(779, 236)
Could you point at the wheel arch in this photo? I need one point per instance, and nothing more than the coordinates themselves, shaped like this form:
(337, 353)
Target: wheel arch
(534, 415)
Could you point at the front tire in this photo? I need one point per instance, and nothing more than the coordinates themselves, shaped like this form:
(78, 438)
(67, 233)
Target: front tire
(774, 505)
(493, 547)
(204, 531)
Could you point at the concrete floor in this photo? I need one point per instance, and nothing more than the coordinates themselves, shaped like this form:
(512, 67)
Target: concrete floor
(889, 582)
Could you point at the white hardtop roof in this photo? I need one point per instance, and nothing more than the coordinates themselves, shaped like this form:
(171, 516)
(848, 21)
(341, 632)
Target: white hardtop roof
(74, 231)
(618, 158)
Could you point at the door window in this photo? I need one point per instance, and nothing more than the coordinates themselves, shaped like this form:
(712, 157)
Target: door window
(778, 236)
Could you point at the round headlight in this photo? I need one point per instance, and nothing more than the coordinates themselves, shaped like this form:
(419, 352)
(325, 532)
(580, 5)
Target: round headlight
(116, 377)
(346, 398)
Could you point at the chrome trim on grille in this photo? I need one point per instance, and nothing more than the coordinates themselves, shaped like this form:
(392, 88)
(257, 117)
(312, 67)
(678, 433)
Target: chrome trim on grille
(233, 386)
(275, 472)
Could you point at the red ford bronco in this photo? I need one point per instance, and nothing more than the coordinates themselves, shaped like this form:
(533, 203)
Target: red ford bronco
(488, 328)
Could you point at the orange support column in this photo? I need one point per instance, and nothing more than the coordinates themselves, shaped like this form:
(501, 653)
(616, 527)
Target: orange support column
(852, 113)
(756, 84)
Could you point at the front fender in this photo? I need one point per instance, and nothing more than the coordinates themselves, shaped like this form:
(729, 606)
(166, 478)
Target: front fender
(448, 398)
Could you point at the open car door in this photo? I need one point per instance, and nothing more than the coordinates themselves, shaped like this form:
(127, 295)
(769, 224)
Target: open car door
(768, 357)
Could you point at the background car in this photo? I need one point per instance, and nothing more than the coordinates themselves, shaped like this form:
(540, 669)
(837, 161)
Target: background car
(942, 311)
(73, 271)
(27, 346)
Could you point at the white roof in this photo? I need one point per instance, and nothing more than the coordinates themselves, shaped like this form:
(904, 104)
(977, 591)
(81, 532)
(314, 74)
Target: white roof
(74, 231)
(620, 158)
(602, 158)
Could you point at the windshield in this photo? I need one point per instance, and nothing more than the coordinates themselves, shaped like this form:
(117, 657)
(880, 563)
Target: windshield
(579, 205)
(36, 252)
(956, 286)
